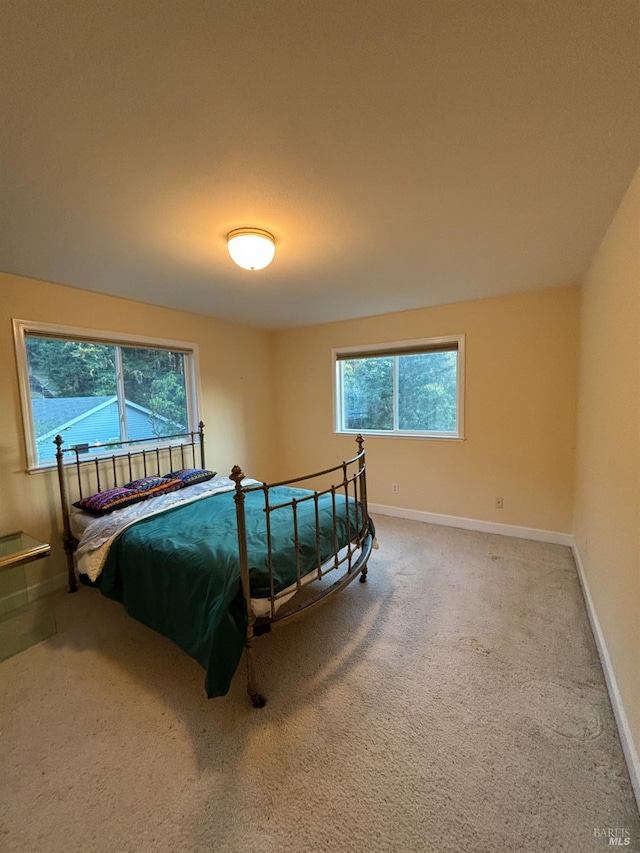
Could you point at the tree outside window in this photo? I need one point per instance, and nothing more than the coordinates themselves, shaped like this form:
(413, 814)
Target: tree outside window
(412, 391)
(94, 392)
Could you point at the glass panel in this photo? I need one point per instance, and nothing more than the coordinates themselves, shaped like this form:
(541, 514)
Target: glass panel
(27, 623)
(20, 546)
(73, 392)
(155, 391)
(367, 386)
(427, 392)
(13, 593)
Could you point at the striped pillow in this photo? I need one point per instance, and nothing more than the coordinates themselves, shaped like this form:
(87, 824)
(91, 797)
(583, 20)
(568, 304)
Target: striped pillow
(189, 476)
(151, 487)
(109, 500)
(144, 483)
(122, 496)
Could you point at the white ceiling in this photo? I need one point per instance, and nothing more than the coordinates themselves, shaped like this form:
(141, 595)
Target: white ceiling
(404, 153)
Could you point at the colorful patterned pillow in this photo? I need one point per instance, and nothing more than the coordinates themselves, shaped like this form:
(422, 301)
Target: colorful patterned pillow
(144, 483)
(189, 476)
(165, 485)
(109, 500)
(122, 496)
(151, 487)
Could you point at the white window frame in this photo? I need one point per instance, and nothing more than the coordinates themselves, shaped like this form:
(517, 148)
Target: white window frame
(23, 328)
(399, 348)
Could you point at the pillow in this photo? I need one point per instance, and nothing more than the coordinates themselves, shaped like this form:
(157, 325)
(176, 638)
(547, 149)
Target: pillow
(144, 483)
(151, 487)
(189, 476)
(109, 500)
(133, 492)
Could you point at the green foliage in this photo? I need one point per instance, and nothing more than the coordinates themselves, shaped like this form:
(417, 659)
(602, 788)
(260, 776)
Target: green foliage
(368, 393)
(427, 392)
(167, 398)
(426, 387)
(70, 368)
(153, 378)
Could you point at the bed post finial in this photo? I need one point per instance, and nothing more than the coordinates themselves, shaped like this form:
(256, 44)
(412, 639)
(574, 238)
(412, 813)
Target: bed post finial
(237, 475)
(360, 441)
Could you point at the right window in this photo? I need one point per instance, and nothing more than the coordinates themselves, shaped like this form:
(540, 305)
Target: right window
(410, 388)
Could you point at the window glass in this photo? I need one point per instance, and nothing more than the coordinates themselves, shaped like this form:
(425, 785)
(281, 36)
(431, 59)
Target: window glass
(95, 392)
(413, 388)
(368, 393)
(154, 387)
(427, 392)
(73, 391)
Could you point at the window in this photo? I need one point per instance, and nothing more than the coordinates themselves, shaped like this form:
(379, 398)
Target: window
(412, 388)
(100, 388)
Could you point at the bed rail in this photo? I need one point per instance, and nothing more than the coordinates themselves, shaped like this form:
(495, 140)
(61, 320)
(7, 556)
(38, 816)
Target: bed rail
(348, 560)
(112, 464)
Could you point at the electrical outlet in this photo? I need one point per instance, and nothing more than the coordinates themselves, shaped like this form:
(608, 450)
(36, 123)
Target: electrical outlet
(499, 503)
(395, 488)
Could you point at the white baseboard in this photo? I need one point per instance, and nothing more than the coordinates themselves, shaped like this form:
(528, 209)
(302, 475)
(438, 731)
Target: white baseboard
(34, 591)
(553, 536)
(626, 737)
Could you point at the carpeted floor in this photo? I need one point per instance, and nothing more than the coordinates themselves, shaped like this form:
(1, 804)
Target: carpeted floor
(455, 702)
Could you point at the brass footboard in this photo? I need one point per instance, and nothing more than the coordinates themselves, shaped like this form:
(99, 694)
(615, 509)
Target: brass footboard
(349, 559)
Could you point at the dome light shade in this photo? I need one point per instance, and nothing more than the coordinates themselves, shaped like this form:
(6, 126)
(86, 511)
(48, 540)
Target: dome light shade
(251, 248)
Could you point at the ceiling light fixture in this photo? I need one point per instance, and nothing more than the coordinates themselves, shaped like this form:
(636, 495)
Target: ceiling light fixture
(251, 248)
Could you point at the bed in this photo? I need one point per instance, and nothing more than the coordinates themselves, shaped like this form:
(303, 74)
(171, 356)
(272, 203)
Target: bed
(210, 561)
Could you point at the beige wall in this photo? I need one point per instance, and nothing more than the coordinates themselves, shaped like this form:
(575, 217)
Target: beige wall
(521, 374)
(607, 504)
(236, 396)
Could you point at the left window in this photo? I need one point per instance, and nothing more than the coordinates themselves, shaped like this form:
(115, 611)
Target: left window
(101, 388)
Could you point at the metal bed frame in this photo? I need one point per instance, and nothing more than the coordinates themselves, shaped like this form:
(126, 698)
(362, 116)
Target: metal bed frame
(106, 468)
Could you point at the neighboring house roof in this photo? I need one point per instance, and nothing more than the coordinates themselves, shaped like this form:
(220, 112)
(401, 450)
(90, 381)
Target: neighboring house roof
(54, 414)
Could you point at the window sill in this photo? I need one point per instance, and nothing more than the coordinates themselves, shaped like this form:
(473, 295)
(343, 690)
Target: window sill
(421, 436)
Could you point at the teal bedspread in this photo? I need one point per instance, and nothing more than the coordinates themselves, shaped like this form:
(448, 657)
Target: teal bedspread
(178, 572)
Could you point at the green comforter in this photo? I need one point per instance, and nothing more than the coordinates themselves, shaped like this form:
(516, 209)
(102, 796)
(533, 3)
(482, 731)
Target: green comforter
(178, 572)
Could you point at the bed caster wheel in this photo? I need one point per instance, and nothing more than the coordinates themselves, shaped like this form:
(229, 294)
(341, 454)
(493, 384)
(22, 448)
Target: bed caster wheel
(258, 700)
(363, 577)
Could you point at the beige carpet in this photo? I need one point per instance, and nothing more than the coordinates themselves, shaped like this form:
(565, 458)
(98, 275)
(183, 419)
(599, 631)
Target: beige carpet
(453, 703)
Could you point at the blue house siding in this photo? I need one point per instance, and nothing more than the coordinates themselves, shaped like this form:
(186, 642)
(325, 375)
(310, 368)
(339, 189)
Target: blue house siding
(138, 423)
(98, 427)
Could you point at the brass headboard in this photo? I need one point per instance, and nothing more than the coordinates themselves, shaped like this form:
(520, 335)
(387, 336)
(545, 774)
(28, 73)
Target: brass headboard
(104, 470)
